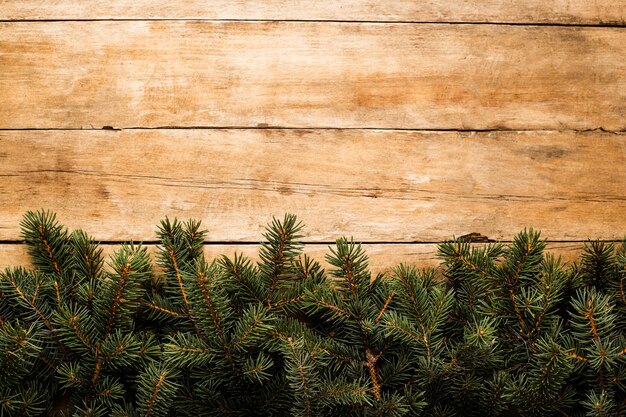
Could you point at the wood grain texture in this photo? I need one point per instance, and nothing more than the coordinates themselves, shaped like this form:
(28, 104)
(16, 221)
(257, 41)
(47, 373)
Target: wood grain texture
(382, 257)
(529, 11)
(378, 186)
(294, 74)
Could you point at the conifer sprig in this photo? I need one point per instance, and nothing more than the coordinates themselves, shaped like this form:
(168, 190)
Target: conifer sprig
(498, 330)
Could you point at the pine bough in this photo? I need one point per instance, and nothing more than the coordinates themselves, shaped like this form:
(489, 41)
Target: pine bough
(498, 330)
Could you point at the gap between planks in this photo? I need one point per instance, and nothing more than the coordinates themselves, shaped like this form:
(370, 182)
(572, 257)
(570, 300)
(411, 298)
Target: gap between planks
(323, 128)
(616, 24)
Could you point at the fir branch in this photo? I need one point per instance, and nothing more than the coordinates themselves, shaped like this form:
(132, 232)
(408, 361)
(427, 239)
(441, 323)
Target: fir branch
(7, 277)
(187, 350)
(122, 292)
(119, 292)
(551, 280)
(181, 247)
(47, 244)
(87, 256)
(382, 310)
(156, 390)
(73, 322)
(370, 364)
(253, 325)
(154, 306)
(278, 251)
(592, 322)
(351, 264)
(576, 356)
(303, 378)
(509, 330)
(202, 282)
(241, 274)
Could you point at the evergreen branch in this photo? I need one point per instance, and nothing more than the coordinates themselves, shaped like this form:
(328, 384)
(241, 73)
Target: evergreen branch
(237, 271)
(351, 263)
(179, 280)
(540, 318)
(526, 252)
(340, 356)
(202, 282)
(57, 291)
(333, 308)
(382, 310)
(574, 355)
(156, 307)
(36, 292)
(73, 323)
(257, 368)
(157, 386)
(592, 322)
(254, 323)
(341, 393)
(157, 389)
(289, 301)
(443, 303)
(301, 380)
(403, 328)
(465, 261)
(278, 259)
(281, 338)
(123, 277)
(117, 351)
(122, 291)
(70, 373)
(87, 257)
(120, 350)
(278, 251)
(7, 276)
(370, 364)
(407, 276)
(182, 246)
(46, 244)
(97, 368)
(187, 351)
(518, 314)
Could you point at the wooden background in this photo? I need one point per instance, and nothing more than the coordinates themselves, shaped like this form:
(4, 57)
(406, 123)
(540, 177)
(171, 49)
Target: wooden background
(400, 122)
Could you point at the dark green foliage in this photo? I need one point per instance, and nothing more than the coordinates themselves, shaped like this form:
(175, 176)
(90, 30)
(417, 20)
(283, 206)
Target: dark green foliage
(499, 330)
(68, 328)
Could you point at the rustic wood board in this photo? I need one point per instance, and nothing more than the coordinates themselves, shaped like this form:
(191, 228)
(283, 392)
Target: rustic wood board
(378, 186)
(382, 257)
(295, 74)
(529, 11)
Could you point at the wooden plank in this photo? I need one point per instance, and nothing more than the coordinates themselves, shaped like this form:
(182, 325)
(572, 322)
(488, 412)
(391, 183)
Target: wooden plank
(530, 11)
(379, 186)
(293, 74)
(382, 257)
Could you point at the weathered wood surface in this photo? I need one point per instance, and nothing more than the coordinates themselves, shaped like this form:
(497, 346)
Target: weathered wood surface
(294, 74)
(529, 11)
(382, 257)
(378, 186)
